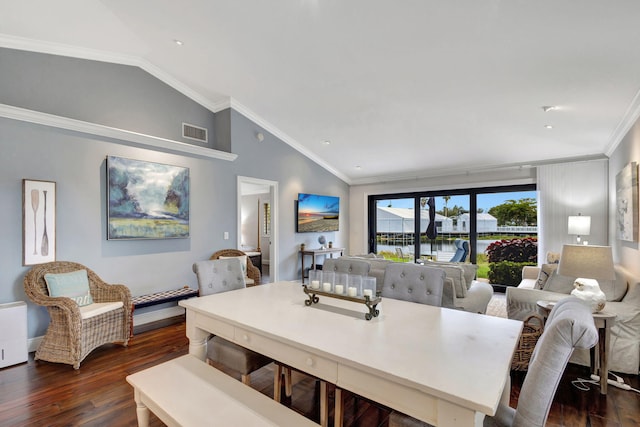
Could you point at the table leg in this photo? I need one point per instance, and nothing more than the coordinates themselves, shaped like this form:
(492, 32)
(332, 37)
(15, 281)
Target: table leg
(302, 266)
(197, 338)
(603, 346)
(339, 409)
(142, 412)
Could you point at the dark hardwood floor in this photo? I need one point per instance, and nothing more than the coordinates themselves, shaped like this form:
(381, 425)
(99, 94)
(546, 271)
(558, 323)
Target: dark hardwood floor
(48, 394)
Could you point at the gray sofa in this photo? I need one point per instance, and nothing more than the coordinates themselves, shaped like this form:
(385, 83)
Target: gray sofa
(623, 299)
(461, 290)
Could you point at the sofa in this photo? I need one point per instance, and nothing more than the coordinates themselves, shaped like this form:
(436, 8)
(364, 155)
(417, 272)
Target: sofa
(461, 290)
(623, 299)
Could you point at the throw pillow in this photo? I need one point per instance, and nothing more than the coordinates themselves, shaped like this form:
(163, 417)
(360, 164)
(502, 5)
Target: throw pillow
(546, 270)
(469, 270)
(453, 272)
(559, 283)
(74, 285)
(243, 262)
(553, 257)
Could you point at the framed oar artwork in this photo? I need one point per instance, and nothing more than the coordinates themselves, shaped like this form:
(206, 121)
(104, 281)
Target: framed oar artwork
(38, 221)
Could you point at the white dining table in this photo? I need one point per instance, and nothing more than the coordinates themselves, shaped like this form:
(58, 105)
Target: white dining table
(446, 367)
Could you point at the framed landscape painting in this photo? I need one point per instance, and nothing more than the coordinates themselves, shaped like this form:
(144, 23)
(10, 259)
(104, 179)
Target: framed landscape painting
(627, 203)
(146, 200)
(38, 222)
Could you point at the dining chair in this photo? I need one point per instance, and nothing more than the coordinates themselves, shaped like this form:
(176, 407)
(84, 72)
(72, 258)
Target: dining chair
(413, 282)
(569, 326)
(348, 266)
(222, 275)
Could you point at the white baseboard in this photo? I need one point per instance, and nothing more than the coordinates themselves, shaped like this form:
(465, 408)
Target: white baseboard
(140, 319)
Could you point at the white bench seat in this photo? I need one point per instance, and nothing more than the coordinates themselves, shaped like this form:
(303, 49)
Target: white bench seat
(187, 392)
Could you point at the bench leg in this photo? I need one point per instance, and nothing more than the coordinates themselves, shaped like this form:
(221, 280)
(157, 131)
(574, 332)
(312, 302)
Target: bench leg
(142, 412)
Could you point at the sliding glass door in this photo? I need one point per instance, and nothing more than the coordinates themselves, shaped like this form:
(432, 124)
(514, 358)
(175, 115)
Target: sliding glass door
(425, 225)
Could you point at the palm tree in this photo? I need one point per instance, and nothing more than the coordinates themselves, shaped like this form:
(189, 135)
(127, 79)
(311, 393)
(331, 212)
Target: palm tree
(446, 200)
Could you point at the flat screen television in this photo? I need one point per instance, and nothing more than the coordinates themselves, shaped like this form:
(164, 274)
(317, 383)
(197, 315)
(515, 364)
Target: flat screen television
(317, 213)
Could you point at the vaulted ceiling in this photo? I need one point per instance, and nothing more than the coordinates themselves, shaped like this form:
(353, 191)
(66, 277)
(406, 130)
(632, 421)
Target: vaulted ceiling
(378, 90)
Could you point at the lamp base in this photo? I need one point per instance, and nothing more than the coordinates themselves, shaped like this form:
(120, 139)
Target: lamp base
(588, 290)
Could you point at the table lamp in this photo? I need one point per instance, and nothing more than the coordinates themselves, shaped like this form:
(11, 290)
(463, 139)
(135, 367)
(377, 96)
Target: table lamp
(588, 264)
(580, 226)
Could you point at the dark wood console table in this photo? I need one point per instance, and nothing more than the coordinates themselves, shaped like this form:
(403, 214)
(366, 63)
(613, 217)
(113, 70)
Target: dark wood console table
(313, 253)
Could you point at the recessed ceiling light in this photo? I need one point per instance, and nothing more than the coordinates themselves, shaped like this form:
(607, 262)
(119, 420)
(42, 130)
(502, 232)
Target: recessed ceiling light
(326, 142)
(178, 42)
(548, 127)
(547, 108)
(358, 167)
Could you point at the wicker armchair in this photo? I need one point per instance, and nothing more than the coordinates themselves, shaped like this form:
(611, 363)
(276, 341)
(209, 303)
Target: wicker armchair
(69, 337)
(253, 272)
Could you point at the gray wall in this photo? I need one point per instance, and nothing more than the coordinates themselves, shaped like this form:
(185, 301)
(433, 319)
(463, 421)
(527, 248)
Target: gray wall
(76, 162)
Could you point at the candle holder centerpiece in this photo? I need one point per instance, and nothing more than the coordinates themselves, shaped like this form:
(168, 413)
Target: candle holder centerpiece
(352, 288)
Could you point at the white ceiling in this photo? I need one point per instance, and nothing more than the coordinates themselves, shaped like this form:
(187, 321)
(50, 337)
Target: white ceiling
(406, 88)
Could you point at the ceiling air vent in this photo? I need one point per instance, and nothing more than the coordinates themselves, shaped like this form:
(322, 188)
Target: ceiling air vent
(195, 133)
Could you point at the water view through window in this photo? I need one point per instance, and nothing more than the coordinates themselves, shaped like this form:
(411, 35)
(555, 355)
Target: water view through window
(478, 217)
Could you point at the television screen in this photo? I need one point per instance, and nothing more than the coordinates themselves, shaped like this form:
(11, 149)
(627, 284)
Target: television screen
(317, 213)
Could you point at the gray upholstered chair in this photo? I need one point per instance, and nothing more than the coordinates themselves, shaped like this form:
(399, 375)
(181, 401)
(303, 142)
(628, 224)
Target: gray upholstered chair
(413, 282)
(348, 266)
(569, 326)
(224, 275)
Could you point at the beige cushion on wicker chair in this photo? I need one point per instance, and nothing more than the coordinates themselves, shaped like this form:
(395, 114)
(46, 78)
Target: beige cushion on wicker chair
(252, 274)
(72, 334)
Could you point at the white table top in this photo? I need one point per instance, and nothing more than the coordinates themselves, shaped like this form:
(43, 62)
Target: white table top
(463, 358)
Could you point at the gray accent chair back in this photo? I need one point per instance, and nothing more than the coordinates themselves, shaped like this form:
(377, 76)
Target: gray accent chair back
(222, 275)
(348, 266)
(219, 275)
(569, 326)
(413, 282)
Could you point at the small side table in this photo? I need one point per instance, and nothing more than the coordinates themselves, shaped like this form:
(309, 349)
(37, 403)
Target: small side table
(603, 321)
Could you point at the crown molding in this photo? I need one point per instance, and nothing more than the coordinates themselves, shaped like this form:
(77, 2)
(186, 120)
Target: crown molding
(628, 120)
(122, 136)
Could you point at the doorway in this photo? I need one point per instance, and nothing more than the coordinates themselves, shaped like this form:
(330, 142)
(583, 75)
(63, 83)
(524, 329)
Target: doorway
(257, 222)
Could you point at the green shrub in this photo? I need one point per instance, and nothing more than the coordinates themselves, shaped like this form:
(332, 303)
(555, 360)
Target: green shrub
(506, 272)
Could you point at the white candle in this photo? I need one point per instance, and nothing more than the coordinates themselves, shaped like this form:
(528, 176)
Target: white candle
(352, 291)
(326, 286)
(368, 293)
(315, 284)
(339, 289)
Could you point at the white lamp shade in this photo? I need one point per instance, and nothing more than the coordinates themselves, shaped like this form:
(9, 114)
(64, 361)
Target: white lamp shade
(591, 262)
(579, 225)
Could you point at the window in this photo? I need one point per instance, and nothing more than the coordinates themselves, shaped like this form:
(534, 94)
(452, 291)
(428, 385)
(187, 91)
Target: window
(480, 216)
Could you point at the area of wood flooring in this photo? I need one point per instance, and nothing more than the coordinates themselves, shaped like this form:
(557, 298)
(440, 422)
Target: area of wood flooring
(48, 394)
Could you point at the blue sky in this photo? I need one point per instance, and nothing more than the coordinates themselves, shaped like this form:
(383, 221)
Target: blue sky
(485, 201)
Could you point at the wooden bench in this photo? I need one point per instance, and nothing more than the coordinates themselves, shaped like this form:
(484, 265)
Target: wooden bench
(187, 392)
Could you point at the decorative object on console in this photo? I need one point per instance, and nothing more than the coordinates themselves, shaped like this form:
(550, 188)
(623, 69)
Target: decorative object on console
(317, 213)
(627, 203)
(146, 200)
(322, 240)
(580, 226)
(588, 264)
(38, 221)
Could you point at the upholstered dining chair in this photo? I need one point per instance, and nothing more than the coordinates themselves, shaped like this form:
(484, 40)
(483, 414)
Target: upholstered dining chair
(222, 275)
(348, 266)
(85, 311)
(252, 273)
(569, 326)
(413, 282)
